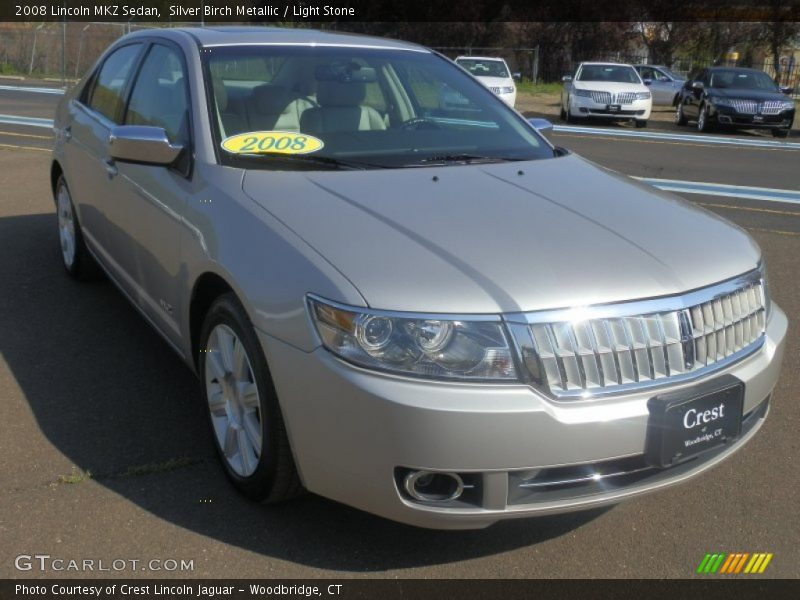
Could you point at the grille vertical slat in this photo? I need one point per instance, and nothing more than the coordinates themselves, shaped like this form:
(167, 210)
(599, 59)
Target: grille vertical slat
(627, 349)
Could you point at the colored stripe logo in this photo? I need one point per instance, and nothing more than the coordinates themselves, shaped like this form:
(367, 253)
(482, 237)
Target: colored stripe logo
(734, 563)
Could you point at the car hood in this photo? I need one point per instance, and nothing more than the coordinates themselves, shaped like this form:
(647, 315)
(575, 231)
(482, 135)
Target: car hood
(506, 237)
(757, 95)
(495, 81)
(610, 86)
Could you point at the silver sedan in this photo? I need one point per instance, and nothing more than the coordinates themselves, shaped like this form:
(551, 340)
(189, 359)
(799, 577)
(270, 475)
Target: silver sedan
(395, 292)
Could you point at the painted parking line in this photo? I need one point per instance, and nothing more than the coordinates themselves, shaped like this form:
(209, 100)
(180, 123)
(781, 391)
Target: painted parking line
(34, 90)
(30, 121)
(722, 189)
(679, 137)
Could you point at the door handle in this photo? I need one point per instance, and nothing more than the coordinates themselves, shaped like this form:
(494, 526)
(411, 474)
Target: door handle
(68, 132)
(111, 168)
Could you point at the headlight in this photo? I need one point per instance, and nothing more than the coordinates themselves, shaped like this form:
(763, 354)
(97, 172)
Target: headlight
(787, 104)
(435, 346)
(506, 90)
(583, 93)
(643, 95)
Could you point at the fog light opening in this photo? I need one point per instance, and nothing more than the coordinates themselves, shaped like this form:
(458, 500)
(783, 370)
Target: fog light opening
(427, 486)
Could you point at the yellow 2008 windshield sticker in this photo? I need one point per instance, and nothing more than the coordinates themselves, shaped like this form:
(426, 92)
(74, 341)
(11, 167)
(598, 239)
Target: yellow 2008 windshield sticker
(272, 142)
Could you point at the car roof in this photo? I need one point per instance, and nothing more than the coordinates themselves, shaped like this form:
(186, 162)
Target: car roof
(603, 64)
(481, 58)
(238, 35)
(741, 69)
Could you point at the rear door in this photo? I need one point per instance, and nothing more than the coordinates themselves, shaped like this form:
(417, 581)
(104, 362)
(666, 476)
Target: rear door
(91, 116)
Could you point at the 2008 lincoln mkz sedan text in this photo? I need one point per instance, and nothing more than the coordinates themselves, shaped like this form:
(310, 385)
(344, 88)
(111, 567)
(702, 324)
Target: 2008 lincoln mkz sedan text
(395, 292)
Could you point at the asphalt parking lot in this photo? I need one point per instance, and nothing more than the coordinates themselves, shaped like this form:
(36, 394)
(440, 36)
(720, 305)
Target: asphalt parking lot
(105, 454)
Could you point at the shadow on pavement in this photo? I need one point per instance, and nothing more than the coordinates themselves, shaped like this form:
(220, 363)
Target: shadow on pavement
(110, 395)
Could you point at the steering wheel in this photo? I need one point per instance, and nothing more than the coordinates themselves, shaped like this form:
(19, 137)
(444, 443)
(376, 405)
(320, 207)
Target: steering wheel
(419, 123)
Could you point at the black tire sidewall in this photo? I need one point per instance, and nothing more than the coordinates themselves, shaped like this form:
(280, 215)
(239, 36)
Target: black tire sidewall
(227, 310)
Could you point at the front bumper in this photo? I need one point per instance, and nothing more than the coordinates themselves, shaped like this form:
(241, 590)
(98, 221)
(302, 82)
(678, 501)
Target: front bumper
(352, 430)
(726, 115)
(581, 106)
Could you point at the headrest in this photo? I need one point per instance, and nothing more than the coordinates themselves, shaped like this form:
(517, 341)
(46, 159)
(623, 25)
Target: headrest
(220, 94)
(336, 93)
(271, 99)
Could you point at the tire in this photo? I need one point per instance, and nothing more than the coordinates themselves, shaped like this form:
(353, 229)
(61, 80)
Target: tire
(75, 256)
(703, 120)
(680, 118)
(641, 123)
(242, 406)
(781, 133)
(563, 114)
(569, 117)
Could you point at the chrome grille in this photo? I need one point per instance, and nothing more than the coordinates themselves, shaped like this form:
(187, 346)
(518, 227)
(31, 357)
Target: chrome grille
(749, 107)
(626, 97)
(771, 107)
(610, 348)
(601, 97)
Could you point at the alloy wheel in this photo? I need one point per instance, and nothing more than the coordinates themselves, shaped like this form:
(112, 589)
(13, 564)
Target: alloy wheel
(233, 400)
(66, 226)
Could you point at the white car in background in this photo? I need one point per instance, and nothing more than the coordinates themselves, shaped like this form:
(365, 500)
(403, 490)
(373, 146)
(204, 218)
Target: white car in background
(493, 72)
(606, 90)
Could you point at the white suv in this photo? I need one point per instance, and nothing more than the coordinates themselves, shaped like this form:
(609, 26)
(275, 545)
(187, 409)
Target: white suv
(492, 72)
(606, 90)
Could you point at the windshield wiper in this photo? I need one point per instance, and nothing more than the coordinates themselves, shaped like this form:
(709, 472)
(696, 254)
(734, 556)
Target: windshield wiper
(334, 163)
(463, 159)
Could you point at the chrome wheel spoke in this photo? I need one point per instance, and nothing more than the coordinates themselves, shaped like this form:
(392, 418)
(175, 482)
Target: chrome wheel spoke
(231, 444)
(248, 395)
(217, 402)
(253, 429)
(245, 451)
(239, 366)
(214, 360)
(225, 340)
(233, 400)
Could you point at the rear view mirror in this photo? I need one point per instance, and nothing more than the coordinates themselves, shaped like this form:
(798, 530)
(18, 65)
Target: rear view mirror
(697, 85)
(648, 81)
(345, 72)
(541, 125)
(516, 75)
(785, 89)
(566, 78)
(142, 144)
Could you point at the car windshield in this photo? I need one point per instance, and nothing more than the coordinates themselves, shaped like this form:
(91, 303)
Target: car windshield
(481, 67)
(671, 73)
(357, 107)
(743, 80)
(610, 73)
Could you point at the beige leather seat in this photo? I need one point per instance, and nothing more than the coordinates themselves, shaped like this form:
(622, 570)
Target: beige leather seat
(275, 108)
(233, 121)
(340, 110)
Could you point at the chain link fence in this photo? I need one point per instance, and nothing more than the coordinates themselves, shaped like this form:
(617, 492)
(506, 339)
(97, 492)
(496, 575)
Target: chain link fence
(64, 51)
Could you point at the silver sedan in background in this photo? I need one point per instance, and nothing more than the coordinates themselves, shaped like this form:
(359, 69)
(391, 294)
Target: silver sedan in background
(664, 84)
(414, 306)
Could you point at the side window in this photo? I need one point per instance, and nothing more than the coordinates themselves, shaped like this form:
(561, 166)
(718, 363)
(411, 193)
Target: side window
(106, 96)
(646, 73)
(705, 77)
(159, 96)
(659, 75)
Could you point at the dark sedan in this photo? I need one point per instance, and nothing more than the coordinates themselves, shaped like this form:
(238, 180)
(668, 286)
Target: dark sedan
(735, 97)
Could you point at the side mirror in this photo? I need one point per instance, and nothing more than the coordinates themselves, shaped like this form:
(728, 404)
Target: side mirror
(566, 78)
(541, 125)
(648, 81)
(785, 89)
(516, 75)
(697, 85)
(142, 144)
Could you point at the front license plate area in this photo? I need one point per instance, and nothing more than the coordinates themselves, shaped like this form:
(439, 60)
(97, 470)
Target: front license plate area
(613, 107)
(685, 423)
